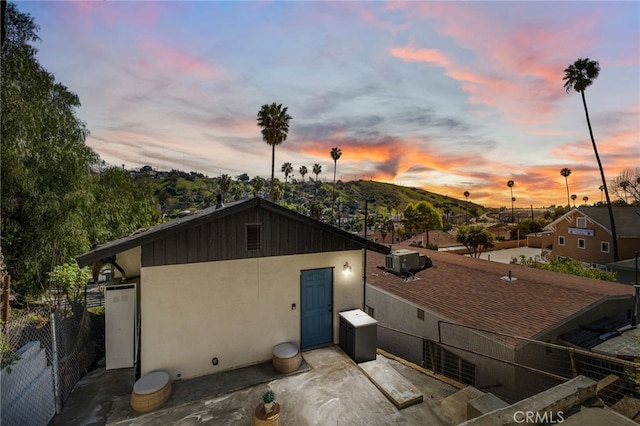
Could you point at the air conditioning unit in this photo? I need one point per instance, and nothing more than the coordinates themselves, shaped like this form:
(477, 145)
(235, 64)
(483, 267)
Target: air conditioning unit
(401, 261)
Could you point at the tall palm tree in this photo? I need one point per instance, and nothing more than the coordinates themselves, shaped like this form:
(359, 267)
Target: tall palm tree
(287, 169)
(578, 76)
(585, 199)
(336, 153)
(601, 188)
(566, 172)
(274, 122)
(624, 185)
(573, 197)
(303, 171)
(317, 169)
(466, 198)
(510, 184)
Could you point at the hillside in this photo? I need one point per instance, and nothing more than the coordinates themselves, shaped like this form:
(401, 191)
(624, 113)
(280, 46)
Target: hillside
(178, 191)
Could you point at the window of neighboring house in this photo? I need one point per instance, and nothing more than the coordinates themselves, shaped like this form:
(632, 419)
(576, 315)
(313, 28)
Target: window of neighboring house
(604, 246)
(581, 222)
(420, 314)
(581, 243)
(561, 240)
(254, 237)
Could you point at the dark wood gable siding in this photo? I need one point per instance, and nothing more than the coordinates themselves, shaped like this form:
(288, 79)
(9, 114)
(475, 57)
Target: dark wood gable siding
(224, 238)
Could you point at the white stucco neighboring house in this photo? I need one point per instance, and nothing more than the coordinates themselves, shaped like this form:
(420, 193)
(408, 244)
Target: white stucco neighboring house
(217, 290)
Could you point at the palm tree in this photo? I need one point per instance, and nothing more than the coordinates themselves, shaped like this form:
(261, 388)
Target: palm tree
(274, 122)
(303, 171)
(601, 188)
(624, 185)
(466, 198)
(336, 153)
(573, 197)
(510, 184)
(578, 76)
(585, 199)
(225, 183)
(566, 172)
(317, 169)
(287, 169)
(257, 183)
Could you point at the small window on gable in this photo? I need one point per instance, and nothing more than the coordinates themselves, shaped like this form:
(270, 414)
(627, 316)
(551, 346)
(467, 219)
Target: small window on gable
(581, 222)
(420, 314)
(581, 243)
(561, 240)
(254, 236)
(604, 246)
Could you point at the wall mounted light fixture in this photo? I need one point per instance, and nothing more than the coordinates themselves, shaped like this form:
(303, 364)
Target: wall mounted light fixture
(346, 269)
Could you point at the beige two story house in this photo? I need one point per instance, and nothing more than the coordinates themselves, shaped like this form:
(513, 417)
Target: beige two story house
(584, 234)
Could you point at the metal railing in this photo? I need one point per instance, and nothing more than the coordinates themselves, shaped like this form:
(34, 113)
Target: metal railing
(508, 366)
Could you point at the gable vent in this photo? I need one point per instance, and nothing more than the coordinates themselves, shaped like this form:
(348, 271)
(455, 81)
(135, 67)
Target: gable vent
(254, 240)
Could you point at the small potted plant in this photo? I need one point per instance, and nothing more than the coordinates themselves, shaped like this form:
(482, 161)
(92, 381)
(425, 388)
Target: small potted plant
(268, 399)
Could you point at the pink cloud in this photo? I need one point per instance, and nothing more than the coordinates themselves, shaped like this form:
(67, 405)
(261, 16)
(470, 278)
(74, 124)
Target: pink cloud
(509, 73)
(163, 58)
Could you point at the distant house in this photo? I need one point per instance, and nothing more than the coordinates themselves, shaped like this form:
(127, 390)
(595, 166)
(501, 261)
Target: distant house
(584, 234)
(219, 288)
(447, 305)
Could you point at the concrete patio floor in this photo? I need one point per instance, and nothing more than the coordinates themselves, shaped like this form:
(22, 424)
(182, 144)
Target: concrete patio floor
(328, 389)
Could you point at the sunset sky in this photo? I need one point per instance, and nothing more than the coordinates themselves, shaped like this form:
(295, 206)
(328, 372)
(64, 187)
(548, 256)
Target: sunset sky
(445, 96)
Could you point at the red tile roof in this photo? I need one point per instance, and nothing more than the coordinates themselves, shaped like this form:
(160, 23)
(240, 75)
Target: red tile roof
(471, 292)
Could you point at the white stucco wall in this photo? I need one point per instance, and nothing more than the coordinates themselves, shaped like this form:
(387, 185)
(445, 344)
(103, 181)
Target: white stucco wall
(233, 310)
(130, 261)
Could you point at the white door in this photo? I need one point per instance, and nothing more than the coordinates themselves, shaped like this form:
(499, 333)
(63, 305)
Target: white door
(120, 325)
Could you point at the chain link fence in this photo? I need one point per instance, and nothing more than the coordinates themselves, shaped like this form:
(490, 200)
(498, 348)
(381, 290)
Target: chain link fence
(44, 347)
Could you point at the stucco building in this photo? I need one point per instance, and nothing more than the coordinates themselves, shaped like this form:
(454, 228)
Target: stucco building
(219, 289)
(584, 234)
(436, 317)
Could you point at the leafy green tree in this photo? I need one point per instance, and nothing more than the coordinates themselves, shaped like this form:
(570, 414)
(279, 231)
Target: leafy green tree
(315, 210)
(428, 218)
(236, 191)
(244, 178)
(578, 76)
(118, 206)
(524, 227)
(410, 218)
(273, 119)
(317, 169)
(475, 238)
(567, 266)
(44, 162)
(69, 280)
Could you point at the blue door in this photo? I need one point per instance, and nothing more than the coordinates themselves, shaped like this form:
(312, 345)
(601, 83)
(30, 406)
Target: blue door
(316, 313)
